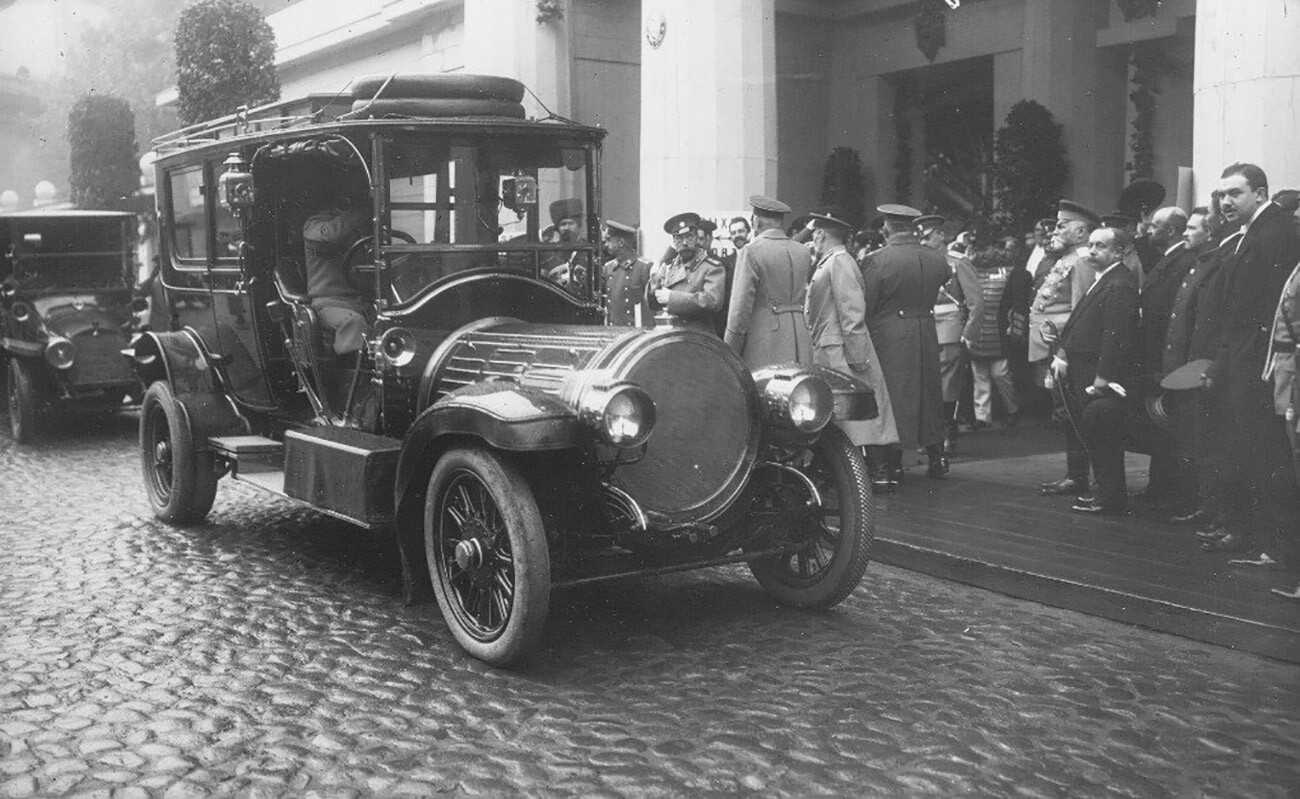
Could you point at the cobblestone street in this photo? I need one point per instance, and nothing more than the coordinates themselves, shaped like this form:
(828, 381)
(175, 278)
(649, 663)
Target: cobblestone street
(268, 652)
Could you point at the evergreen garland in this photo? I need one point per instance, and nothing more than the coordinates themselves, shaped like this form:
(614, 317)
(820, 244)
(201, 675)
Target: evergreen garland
(225, 58)
(930, 27)
(1150, 63)
(843, 184)
(102, 153)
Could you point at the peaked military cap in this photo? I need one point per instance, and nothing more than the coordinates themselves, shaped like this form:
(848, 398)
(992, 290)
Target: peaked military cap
(620, 228)
(1074, 212)
(767, 205)
(1117, 219)
(832, 217)
(899, 213)
(930, 221)
(566, 209)
(707, 225)
(1141, 197)
(687, 222)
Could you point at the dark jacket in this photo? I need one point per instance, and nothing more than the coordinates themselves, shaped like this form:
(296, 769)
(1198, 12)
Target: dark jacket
(1194, 315)
(1156, 300)
(1102, 328)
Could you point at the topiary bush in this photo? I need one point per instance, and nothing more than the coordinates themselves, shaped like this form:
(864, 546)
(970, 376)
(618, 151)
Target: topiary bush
(225, 58)
(1029, 167)
(843, 184)
(102, 153)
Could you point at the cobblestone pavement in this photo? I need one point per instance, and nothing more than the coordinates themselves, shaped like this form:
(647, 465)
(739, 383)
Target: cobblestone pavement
(269, 653)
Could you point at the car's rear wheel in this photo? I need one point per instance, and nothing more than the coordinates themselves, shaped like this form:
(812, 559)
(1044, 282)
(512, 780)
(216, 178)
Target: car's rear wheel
(487, 555)
(179, 477)
(836, 537)
(24, 401)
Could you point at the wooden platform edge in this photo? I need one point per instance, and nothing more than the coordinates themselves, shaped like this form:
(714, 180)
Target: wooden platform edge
(1195, 624)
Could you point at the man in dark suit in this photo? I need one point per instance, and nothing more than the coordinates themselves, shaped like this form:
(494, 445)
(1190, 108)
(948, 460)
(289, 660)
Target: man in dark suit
(900, 283)
(1097, 361)
(1261, 496)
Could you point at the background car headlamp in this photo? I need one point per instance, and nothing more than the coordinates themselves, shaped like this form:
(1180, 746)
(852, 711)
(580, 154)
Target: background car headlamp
(60, 352)
(397, 345)
(806, 399)
(622, 414)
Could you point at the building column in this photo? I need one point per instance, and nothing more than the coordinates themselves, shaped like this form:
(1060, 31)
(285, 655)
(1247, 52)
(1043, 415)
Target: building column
(1246, 88)
(708, 115)
(503, 37)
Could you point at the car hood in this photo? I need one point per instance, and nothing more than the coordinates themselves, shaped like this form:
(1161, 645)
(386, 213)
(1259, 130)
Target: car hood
(70, 315)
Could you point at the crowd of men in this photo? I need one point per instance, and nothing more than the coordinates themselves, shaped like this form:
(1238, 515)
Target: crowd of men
(1154, 330)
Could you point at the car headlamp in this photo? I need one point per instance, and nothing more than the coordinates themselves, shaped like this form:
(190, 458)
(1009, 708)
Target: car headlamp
(60, 352)
(622, 414)
(805, 400)
(20, 311)
(397, 346)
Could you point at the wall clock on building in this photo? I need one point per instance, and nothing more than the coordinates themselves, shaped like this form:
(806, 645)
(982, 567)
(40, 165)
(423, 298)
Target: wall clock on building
(655, 28)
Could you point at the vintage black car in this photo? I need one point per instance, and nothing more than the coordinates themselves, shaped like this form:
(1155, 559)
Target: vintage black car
(509, 439)
(65, 312)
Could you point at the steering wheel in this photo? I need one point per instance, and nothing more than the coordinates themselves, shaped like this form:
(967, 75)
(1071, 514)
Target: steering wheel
(362, 252)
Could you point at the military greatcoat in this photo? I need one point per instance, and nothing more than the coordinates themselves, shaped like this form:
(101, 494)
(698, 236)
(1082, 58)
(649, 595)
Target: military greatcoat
(697, 286)
(765, 323)
(900, 282)
(625, 290)
(840, 340)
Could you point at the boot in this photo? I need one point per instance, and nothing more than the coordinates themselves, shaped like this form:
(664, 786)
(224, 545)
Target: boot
(938, 463)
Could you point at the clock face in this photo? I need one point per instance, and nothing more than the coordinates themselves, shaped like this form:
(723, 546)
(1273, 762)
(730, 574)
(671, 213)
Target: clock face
(655, 28)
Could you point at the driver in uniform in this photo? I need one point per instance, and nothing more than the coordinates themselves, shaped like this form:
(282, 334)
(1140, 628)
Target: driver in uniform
(327, 235)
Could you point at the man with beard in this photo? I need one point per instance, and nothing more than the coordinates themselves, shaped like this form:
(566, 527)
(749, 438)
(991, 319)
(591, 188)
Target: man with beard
(957, 312)
(1064, 286)
(689, 287)
(1262, 501)
(900, 282)
(765, 321)
(626, 277)
(566, 268)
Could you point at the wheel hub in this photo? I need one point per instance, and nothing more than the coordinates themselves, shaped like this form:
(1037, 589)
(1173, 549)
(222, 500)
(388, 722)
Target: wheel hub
(470, 553)
(162, 453)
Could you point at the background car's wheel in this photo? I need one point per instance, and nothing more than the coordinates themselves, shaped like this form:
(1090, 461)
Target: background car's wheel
(487, 555)
(839, 535)
(24, 402)
(179, 477)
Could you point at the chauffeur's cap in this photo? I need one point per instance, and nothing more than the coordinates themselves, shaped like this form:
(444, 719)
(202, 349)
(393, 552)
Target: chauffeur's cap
(566, 209)
(1070, 211)
(767, 206)
(930, 222)
(687, 222)
(899, 213)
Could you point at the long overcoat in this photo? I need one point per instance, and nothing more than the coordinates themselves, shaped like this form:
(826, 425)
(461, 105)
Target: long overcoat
(837, 321)
(696, 285)
(765, 323)
(900, 282)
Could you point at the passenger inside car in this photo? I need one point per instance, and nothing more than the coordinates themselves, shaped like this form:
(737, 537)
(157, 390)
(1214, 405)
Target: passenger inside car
(327, 236)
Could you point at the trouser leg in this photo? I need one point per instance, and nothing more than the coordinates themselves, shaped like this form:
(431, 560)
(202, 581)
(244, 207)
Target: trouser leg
(1103, 425)
(1076, 454)
(982, 388)
(1000, 371)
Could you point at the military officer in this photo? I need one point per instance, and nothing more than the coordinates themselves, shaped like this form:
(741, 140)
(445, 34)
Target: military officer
(690, 287)
(765, 321)
(957, 313)
(626, 278)
(900, 282)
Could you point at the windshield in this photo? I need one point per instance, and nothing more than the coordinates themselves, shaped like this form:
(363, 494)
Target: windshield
(73, 253)
(504, 203)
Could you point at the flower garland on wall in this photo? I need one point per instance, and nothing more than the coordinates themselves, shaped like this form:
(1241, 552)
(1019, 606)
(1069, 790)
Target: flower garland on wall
(1150, 63)
(549, 11)
(931, 28)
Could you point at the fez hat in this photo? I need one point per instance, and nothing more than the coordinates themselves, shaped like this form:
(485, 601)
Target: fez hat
(899, 213)
(930, 221)
(619, 229)
(707, 226)
(1074, 212)
(1141, 197)
(687, 222)
(830, 217)
(566, 209)
(766, 206)
(1117, 219)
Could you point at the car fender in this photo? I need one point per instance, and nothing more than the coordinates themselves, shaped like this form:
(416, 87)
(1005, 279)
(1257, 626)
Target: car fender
(496, 413)
(176, 357)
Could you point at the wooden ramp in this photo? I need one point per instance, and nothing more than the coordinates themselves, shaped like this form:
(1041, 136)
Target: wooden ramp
(987, 525)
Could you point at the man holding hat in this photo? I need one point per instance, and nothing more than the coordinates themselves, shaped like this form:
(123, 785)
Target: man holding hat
(626, 278)
(957, 313)
(567, 217)
(690, 286)
(900, 282)
(840, 340)
(765, 320)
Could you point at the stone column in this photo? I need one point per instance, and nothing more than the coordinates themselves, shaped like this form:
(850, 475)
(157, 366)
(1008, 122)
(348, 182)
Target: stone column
(1246, 89)
(708, 117)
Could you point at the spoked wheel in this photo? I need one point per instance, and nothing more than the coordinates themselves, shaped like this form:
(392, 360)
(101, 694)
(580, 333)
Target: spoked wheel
(180, 479)
(836, 536)
(487, 555)
(23, 402)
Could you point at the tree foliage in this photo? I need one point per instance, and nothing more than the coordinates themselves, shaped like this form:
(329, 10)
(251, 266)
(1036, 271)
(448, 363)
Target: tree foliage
(102, 153)
(225, 58)
(1030, 166)
(843, 184)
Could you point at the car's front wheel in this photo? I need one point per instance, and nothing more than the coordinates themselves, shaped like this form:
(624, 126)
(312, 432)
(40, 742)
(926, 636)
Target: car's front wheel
(834, 538)
(24, 402)
(487, 555)
(179, 477)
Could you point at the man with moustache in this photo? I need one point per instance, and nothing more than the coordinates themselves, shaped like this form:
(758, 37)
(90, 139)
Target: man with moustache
(567, 217)
(690, 286)
(765, 321)
(1262, 501)
(626, 277)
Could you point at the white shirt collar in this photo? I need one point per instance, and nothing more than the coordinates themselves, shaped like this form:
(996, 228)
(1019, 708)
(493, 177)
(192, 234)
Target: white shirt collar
(1175, 246)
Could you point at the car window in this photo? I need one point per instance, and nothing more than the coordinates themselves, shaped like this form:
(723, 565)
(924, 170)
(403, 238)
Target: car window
(189, 221)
